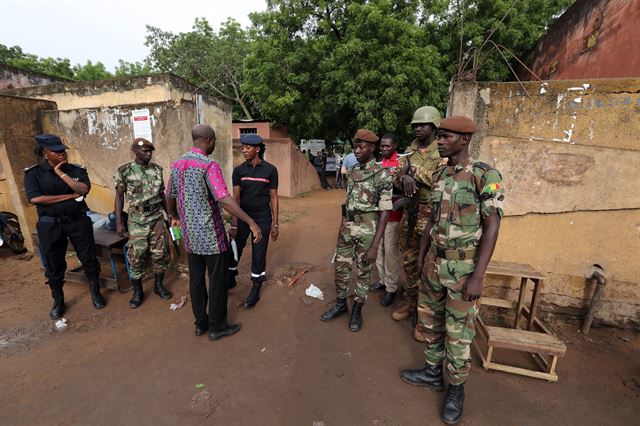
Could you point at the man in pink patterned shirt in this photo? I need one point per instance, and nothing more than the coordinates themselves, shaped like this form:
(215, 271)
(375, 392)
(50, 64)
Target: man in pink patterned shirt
(195, 192)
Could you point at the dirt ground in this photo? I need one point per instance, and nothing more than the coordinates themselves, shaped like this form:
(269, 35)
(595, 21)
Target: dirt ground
(145, 366)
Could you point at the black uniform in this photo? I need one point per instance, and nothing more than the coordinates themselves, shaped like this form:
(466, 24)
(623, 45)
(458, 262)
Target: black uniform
(62, 222)
(255, 185)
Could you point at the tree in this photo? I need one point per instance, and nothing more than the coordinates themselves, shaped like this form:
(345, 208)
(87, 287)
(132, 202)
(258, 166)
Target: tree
(213, 61)
(516, 24)
(91, 72)
(57, 67)
(126, 69)
(327, 68)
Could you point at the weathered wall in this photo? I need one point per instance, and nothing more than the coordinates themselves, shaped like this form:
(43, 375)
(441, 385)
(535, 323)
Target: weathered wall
(569, 155)
(100, 138)
(263, 128)
(19, 122)
(15, 78)
(295, 174)
(592, 39)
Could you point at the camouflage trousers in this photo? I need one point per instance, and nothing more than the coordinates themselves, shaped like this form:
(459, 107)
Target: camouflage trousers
(410, 249)
(444, 318)
(354, 240)
(147, 240)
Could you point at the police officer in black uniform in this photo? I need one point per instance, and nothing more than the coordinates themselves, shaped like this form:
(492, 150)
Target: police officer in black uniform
(255, 188)
(58, 190)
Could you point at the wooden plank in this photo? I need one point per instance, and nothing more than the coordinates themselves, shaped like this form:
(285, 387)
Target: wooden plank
(535, 300)
(523, 340)
(552, 377)
(518, 270)
(523, 289)
(501, 303)
(541, 327)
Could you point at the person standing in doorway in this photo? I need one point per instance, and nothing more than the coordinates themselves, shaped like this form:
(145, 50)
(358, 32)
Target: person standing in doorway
(255, 188)
(195, 192)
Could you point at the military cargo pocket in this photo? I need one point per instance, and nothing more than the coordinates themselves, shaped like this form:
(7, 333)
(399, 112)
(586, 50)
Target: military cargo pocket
(436, 201)
(466, 210)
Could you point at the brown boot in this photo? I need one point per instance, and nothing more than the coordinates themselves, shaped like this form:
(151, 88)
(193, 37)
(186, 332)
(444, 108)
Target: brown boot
(406, 310)
(417, 334)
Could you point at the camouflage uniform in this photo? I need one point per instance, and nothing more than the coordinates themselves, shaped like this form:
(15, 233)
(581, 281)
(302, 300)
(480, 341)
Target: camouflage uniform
(423, 164)
(462, 196)
(368, 193)
(144, 186)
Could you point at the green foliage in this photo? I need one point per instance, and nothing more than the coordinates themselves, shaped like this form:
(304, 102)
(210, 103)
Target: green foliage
(525, 23)
(327, 68)
(126, 69)
(91, 72)
(213, 61)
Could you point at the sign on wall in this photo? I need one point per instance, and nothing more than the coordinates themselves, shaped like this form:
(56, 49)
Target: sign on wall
(141, 124)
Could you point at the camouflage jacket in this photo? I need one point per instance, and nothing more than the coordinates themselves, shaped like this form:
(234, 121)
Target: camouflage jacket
(368, 188)
(423, 164)
(462, 196)
(143, 187)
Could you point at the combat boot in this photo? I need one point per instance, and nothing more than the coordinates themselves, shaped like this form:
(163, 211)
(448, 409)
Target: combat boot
(159, 288)
(58, 307)
(96, 297)
(138, 293)
(406, 310)
(429, 377)
(387, 299)
(355, 322)
(339, 309)
(418, 336)
(453, 403)
(253, 297)
(379, 286)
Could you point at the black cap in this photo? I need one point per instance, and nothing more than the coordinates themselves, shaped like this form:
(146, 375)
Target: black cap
(50, 142)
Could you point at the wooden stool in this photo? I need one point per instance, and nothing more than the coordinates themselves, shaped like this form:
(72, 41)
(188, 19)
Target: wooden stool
(537, 339)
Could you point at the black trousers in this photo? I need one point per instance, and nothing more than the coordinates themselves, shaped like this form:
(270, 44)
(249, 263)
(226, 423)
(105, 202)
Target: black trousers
(258, 250)
(216, 265)
(322, 174)
(53, 244)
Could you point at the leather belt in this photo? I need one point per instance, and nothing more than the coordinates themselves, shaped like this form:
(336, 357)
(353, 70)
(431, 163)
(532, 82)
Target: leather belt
(145, 209)
(59, 219)
(456, 254)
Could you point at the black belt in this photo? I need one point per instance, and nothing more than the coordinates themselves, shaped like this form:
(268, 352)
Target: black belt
(59, 219)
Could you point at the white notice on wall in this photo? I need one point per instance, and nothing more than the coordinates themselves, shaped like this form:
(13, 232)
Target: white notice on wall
(141, 124)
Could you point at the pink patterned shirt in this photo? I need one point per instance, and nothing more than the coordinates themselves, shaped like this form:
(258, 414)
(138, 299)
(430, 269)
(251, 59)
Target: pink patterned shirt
(197, 184)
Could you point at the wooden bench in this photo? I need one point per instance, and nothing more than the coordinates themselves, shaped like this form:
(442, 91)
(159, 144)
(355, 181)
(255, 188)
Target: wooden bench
(536, 339)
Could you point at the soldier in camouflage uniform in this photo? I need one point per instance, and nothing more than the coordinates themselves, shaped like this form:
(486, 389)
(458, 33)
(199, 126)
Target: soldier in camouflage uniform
(414, 179)
(143, 185)
(467, 201)
(364, 218)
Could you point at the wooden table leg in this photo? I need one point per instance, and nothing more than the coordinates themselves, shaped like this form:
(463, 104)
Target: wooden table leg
(535, 299)
(523, 289)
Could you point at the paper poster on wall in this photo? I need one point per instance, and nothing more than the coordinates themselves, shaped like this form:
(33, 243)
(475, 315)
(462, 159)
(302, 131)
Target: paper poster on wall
(141, 124)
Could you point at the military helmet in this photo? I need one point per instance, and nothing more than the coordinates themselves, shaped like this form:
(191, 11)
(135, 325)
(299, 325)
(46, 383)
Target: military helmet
(426, 114)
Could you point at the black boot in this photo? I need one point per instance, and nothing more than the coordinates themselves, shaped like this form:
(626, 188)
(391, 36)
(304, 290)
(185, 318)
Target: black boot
(159, 288)
(355, 322)
(430, 377)
(387, 299)
(339, 309)
(58, 307)
(377, 287)
(453, 402)
(96, 297)
(253, 296)
(138, 294)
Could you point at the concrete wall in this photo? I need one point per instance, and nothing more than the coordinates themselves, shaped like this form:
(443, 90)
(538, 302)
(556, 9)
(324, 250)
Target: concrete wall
(569, 155)
(592, 39)
(100, 138)
(19, 122)
(15, 78)
(263, 128)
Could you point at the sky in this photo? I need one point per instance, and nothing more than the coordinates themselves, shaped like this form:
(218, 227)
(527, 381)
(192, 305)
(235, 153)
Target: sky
(105, 31)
